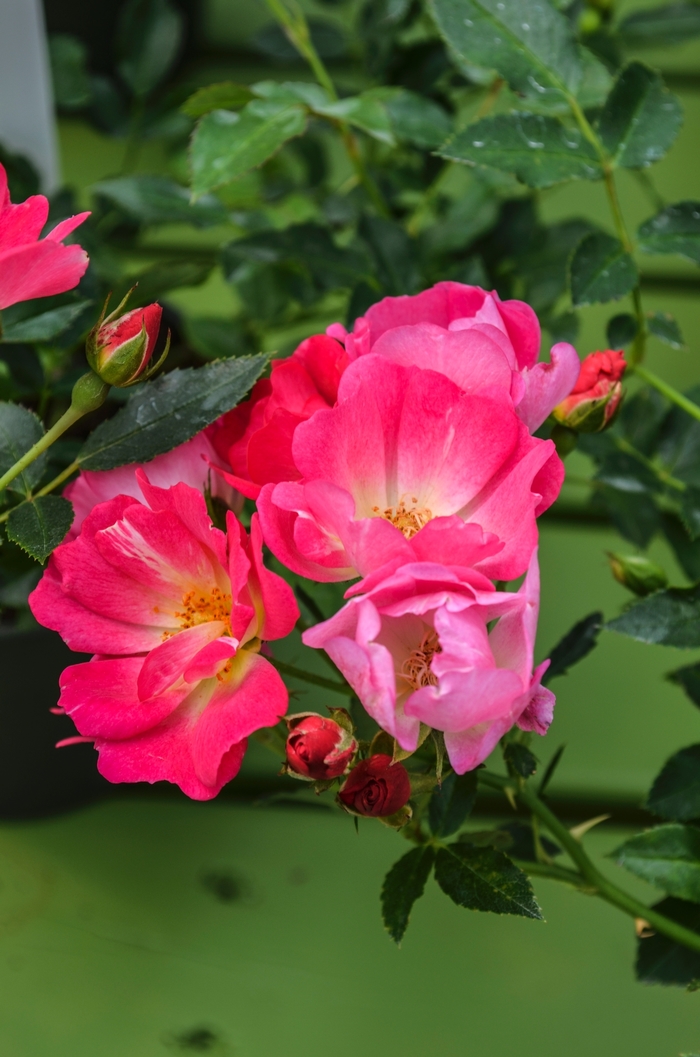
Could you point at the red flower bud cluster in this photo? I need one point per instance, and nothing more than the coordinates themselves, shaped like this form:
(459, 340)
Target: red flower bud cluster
(595, 398)
(376, 787)
(318, 749)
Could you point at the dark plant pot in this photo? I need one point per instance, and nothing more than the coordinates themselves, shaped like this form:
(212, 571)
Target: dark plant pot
(36, 778)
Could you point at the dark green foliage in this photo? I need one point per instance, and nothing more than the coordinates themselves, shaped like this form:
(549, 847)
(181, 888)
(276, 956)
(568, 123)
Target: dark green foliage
(167, 412)
(673, 23)
(661, 960)
(675, 793)
(539, 150)
(666, 329)
(485, 879)
(689, 679)
(148, 42)
(224, 96)
(621, 331)
(641, 118)
(158, 200)
(44, 326)
(393, 254)
(667, 618)
(39, 526)
(522, 842)
(675, 229)
(690, 510)
(20, 430)
(519, 760)
(575, 645)
(601, 270)
(451, 803)
(667, 857)
(403, 885)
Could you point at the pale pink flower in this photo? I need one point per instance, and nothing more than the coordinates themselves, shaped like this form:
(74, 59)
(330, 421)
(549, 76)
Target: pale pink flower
(414, 643)
(474, 338)
(175, 612)
(404, 458)
(30, 267)
(189, 463)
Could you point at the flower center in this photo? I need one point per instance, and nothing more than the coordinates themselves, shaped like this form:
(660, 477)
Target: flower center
(416, 668)
(408, 518)
(198, 607)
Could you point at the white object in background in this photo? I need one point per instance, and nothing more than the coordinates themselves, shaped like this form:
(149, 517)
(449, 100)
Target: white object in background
(26, 100)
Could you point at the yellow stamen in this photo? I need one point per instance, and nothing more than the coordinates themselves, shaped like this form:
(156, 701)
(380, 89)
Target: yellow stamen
(407, 516)
(198, 607)
(416, 668)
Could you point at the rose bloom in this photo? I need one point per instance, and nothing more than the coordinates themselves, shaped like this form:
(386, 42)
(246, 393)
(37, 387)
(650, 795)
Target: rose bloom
(595, 398)
(471, 336)
(30, 267)
(318, 748)
(376, 787)
(415, 644)
(404, 456)
(189, 464)
(175, 613)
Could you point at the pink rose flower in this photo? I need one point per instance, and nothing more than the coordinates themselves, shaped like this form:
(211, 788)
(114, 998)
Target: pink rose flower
(403, 461)
(473, 337)
(255, 438)
(414, 643)
(594, 400)
(30, 267)
(175, 612)
(189, 464)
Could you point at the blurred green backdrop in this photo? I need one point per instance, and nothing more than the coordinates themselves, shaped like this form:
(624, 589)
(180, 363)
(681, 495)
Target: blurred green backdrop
(154, 925)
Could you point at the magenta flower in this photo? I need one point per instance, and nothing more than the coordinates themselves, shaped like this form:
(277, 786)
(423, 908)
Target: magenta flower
(474, 338)
(403, 461)
(189, 464)
(414, 643)
(175, 612)
(30, 267)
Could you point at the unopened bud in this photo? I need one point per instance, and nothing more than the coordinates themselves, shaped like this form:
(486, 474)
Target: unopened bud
(637, 573)
(119, 348)
(376, 787)
(318, 749)
(594, 400)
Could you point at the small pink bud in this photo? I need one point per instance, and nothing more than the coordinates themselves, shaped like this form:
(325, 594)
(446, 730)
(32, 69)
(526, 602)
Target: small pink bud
(318, 748)
(119, 350)
(594, 400)
(376, 787)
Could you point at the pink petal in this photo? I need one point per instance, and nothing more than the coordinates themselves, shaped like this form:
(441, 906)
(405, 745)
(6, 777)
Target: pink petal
(65, 227)
(547, 384)
(211, 659)
(279, 607)
(469, 358)
(166, 664)
(40, 269)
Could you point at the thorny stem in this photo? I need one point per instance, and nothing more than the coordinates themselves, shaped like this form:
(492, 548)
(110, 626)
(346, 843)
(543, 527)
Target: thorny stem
(58, 480)
(588, 878)
(297, 30)
(667, 390)
(312, 678)
(66, 420)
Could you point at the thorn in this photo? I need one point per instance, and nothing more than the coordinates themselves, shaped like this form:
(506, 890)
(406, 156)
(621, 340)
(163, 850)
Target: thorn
(580, 831)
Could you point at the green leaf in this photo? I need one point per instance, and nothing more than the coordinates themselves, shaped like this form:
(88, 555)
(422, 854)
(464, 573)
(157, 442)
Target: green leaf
(687, 550)
(667, 618)
(364, 111)
(226, 145)
(689, 679)
(394, 254)
(451, 803)
(669, 24)
(19, 431)
(158, 200)
(601, 270)
(519, 759)
(634, 514)
(417, 119)
(403, 885)
(675, 793)
(575, 645)
(71, 82)
(38, 527)
(621, 331)
(224, 96)
(308, 247)
(640, 119)
(667, 857)
(485, 879)
(527, 41)
(675, 229)
(162, 414)
(46, 325)
(168, 275)
(666, 329)
(522, 841)
(539, 150)
(148, 41)
(215, 338)
(663, 961)
(690, 510)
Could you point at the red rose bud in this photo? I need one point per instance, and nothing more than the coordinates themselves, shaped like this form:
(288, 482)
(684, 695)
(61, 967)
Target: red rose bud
(595, 398)
(376, 787)
(119, 349)
(318, 748)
